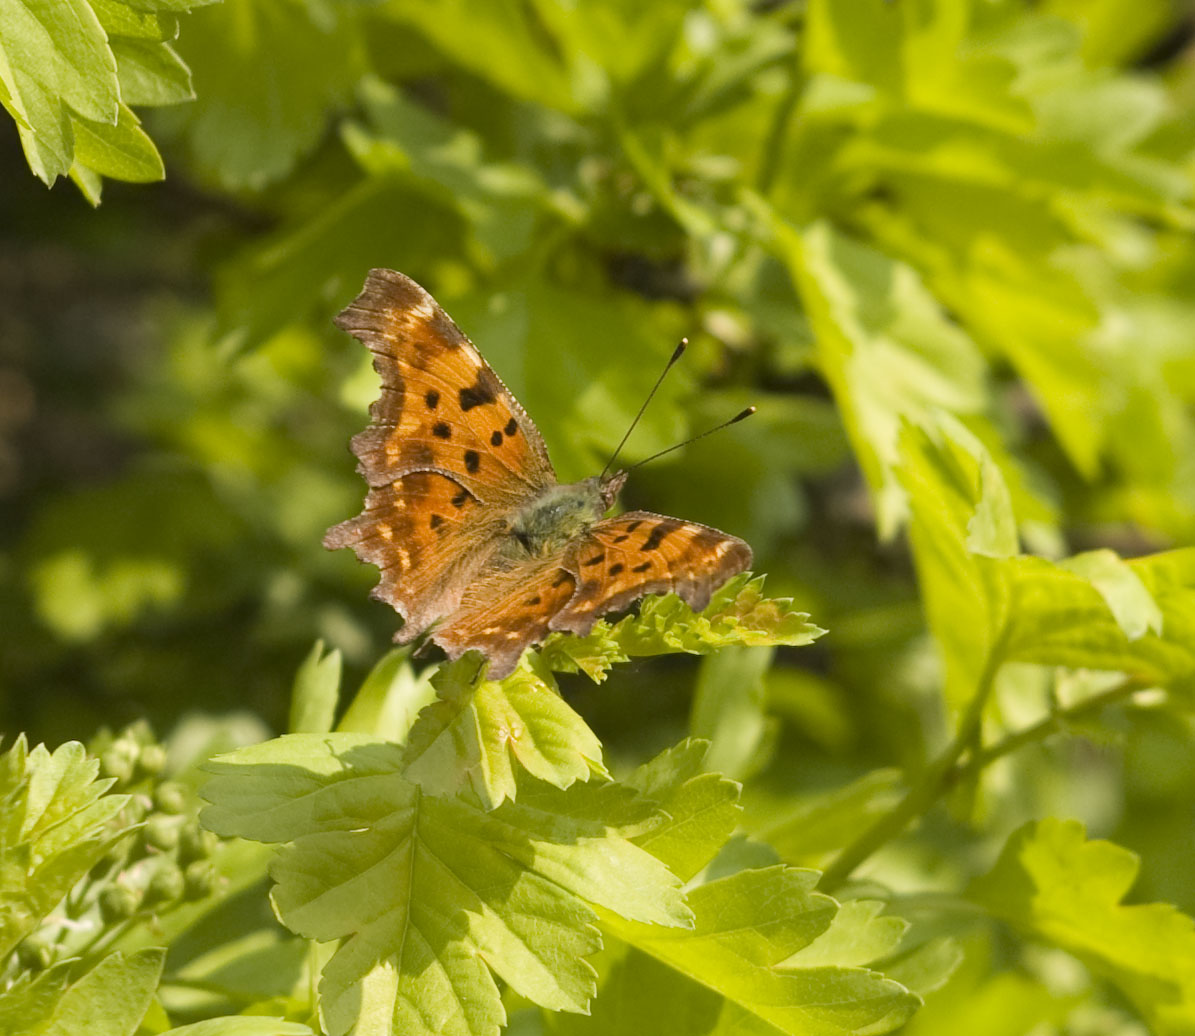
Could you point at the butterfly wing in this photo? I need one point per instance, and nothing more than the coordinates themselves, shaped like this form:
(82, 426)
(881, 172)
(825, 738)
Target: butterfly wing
(447, 455)
(616, 562)
(429, 537)
(442, 408)
(637, 553)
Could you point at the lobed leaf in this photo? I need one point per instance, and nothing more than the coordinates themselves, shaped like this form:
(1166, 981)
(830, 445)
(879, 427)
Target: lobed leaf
(430, 894)
(55, 825)
(751, 929)
(1055, 885)
(738, 613)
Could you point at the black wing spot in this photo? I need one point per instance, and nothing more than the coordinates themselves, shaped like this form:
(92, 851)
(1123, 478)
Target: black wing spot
(597, 559)
(473, 462)
(496, 439)
(458, 501)
(432, 399)
(632, 526)
(620, 538)
(441, 430)
(436, 521)
(512, 426)
(479, 393)
(531, 602)
(657, 535)
(642, 568)
(616, 568)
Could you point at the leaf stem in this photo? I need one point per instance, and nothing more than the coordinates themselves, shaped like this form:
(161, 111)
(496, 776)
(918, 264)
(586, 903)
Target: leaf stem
(946, 770)
(936, 778)
(1051, 724)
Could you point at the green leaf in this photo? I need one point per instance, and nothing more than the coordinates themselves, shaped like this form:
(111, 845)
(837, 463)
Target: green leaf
(701, 808)
(316, 691)
(62, 46)
(120, 20)
(151, 73)
(483, 734)
(510, 44)
(390, 698)
(886, 347)
(1057, 617)
(237, 1025)
(55, 825)
(750, 930)
(430, 894)
(959, 507)
(267, 79)
(110, 999)
(122, 151)
(729, 710)
(738, 614)
(1055, 885)
(809, 830)
(500, 201)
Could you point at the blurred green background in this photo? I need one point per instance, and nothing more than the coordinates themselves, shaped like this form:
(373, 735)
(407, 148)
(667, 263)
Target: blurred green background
(859, 211)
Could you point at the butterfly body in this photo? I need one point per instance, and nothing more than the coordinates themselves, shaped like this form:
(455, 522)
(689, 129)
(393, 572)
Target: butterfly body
(559, 515)
(477, 541)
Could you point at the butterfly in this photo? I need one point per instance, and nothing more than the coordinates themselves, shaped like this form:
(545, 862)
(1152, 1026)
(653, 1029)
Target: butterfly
(477, 541)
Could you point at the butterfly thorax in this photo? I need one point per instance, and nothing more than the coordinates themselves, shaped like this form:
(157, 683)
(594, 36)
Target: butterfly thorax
(558, 515)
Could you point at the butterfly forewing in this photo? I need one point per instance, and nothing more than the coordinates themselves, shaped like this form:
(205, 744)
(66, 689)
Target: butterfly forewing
(442, 408)
(429, 537)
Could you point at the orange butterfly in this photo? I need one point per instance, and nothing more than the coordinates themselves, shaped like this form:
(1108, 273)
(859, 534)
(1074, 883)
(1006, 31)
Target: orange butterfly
(475, 537)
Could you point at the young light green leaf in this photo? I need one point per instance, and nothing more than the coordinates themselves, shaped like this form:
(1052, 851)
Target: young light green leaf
(701, 807)
(110, 999)
(749, 928)
(950, 479)
(55, 824)
(808, 831)
(1131, 605)
(315, 692)
(63, 47)
(258, 108)
(150, 73)
(1054, 884)
(886, 348)
(729, 710)
(390, 698)
(738, 613)
(430, 894)
(122, 151)
(1058, 617)
(242, 1025)
(482, 734)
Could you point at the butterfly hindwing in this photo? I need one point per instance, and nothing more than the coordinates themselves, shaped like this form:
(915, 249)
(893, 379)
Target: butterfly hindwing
(615, 563)
(623, 558)
(502, 615)
(442, 408)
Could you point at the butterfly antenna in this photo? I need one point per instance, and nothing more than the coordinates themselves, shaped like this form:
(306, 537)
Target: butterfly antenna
(741, 416)
(677, 353)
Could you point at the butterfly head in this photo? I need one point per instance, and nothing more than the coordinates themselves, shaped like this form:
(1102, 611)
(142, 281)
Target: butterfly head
(608, 487)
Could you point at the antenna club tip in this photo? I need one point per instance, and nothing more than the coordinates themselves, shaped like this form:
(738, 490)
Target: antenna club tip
(743, 415)
(679, 351)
